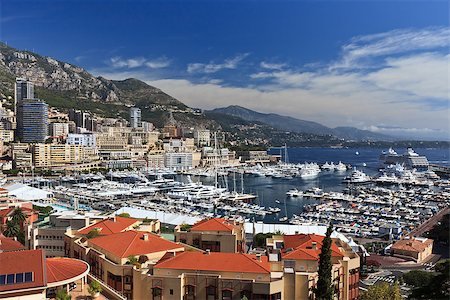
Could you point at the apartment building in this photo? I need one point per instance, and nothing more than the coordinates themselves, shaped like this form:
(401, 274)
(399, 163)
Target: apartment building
(215, 235)
(7, 136)
(83, 139)
(202, 137)
(47, 155)
(296, 257)
(21, 155)
(49, 236)
(58, 129)
(218, 157)
(113, 257)
(210, 275)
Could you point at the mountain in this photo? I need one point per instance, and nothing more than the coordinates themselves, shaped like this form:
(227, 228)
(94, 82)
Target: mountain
(281, 122)
(301, 126)
(65, 85)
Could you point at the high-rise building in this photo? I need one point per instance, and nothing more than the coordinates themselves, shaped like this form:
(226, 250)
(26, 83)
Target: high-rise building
(135, 117)
(23, 90)
(32, 120)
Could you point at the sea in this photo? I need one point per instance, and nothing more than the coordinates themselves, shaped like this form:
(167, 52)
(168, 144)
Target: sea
(272, 191)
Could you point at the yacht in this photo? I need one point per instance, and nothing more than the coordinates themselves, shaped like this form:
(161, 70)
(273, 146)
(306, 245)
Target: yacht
(357, 176)
(294, 193)
(340, 167)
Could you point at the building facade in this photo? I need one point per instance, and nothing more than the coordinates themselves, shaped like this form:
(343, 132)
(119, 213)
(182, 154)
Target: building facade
(23, 89)
(135, 117)
(215, 235)
(32, 120)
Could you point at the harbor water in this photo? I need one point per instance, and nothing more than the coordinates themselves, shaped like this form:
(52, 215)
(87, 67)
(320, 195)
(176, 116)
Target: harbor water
(271, 191)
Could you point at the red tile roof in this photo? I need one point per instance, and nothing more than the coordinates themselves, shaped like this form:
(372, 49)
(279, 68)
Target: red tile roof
(9, 211)
(21, 262)
(124, 244)
(214, 224)
(216, 261)
(62, 268)
(9, 244)
(109, 226)
(412, 245)
(301, 247)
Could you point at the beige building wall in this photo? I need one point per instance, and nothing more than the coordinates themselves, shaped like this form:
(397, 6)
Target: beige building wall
(45, 155)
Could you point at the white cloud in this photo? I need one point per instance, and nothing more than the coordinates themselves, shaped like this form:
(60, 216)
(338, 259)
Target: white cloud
(424, 75)
(211, 67)
(272, 66)
(399, 78)
(361, 108)
(392, 42)
(158, 63)
(137, 62)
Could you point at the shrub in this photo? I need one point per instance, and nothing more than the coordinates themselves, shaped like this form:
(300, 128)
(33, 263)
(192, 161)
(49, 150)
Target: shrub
(94, 287)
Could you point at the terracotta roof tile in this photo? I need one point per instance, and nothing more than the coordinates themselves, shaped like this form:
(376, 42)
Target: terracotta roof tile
(301, 246)
(62, 268)
(109, 226)
(8, 211)
(214, 224)
(413, 245)
(216, 261)
(9, 244)
(21, 262)
(124, 244)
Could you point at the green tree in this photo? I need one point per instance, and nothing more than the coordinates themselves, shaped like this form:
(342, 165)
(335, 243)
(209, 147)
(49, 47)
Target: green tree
(438, 287)
(18, 216)
(324, 289)
(124, 215)
(382, 292)
(259, 240)
(132, 260)
(12, 229)
(418, 278)
(93, 233)
(63, 295)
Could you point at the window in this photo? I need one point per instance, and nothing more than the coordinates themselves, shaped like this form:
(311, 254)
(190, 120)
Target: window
(189, 292)
(211, 292)
(171, 291)
(28, 277)
(227, 295)
(19, 277)
(157, 293)
(10, 279)
(2, 279)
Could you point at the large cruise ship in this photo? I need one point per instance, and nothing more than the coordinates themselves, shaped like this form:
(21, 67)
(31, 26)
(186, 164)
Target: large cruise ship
(409, 160)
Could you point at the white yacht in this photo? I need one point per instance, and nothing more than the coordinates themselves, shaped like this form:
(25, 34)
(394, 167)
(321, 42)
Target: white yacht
(357, 176)
(294, 193)
(340, 167)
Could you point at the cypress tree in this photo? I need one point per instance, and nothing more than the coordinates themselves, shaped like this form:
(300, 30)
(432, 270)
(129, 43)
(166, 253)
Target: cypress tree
(324, 289)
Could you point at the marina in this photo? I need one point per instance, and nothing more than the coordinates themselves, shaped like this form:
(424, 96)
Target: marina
(361, 200)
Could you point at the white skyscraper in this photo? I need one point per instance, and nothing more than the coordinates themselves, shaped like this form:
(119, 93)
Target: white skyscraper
(135, 117)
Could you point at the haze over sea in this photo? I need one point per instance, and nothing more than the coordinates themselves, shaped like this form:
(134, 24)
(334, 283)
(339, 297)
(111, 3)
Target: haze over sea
(269, 189)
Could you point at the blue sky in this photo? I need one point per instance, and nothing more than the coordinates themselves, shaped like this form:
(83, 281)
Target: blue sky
(378, 65)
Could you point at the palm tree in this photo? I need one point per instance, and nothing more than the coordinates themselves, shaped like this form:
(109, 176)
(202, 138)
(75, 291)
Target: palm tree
(12, 229)
(18, 216)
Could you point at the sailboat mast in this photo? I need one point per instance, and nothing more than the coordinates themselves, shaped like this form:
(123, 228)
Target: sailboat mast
(215, 159)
